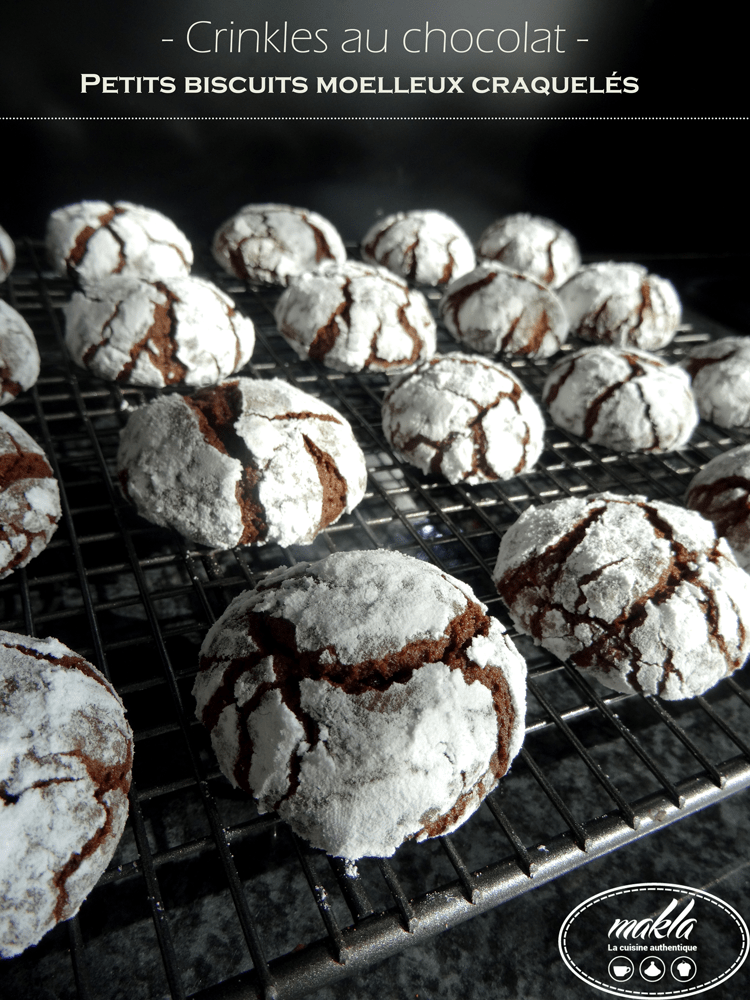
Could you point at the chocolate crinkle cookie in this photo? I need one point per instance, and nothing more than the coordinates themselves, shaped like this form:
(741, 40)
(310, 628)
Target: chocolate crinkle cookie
(91, 240)
(368, 698)
(7, 254)
(624, 400)
(465, 418)
(19, 355)
(353, 316)
(720, 372)
(271, 244)
(498, 311)
(29, 498)
(721, 493)
(532, 245)
(64, 779)
(179, 331)
(637, 593)
(622, 305)
(242, 462)
(426, 247)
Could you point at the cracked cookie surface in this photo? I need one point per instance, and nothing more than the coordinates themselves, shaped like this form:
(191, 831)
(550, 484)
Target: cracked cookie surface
(64, 779)
(465, 418)
(7, 254)
(183, 330)
(497, 311)
(720, 373)
(626, 400)
(270, 244)
(368, 698)
(622, 305)
(91, 240)
(353, 316)
(29, 498)
(19, 354)
(721, 493)
(640, 594)
(532, 245)
(247, 461)
(423, 246)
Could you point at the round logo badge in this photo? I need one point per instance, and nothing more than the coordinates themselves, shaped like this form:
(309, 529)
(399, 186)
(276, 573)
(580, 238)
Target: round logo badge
(654, 940)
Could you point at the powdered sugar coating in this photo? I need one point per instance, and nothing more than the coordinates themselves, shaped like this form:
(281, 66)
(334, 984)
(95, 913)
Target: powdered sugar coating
(353, 316)
(91, 240)
(532, 245)
(245, 461)
(497, 311)
(7, 254)
(366, 697)
(29, 498)
(638, 593)
(721, 493)
(465, 418)
(183, 330)
(271, 244)
(621, 304)
(720, 372)
(64, 779)
(19, 355)
(627, 400)
(424, 246)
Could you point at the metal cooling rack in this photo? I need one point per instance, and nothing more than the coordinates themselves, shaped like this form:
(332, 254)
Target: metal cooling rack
(205, 898)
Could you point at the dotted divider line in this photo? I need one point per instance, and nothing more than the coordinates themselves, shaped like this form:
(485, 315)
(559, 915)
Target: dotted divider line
(375, 118)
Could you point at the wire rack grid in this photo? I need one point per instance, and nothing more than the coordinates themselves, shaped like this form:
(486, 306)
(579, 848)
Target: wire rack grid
(206, 898)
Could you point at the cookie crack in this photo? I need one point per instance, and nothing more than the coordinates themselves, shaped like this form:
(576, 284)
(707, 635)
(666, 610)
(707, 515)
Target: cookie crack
(727, 513)
(275, 636)
(594, 326)
(554, 390)
(327, 335)
(695, 365)
(456, 299)
(543, 573)
(332, 483)
(217, 410)
(90, 353)
(7, 383)
(370, 248)
(413, 262)
(172, 246)
(683, 568)
(15, 468)
(656, 446)
(643, 307)
(10, 799)
(549, 274)
(77, 251)
(66, 661)
(445, 277)
(105, 779)
(322, 249)
(594, 408)
(159, 342)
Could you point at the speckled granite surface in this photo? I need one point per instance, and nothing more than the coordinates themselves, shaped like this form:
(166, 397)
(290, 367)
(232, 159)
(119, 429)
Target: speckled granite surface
(509, 953)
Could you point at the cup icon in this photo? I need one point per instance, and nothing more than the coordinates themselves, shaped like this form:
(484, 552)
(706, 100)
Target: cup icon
(621, 968)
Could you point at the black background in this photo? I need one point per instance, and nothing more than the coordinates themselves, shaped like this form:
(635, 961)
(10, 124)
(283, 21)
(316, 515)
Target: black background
(660, 171)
